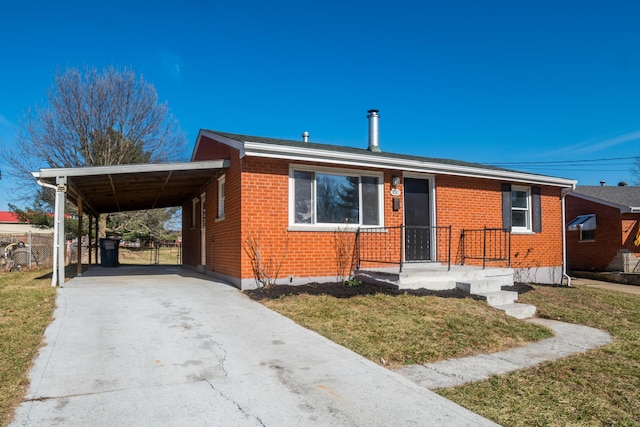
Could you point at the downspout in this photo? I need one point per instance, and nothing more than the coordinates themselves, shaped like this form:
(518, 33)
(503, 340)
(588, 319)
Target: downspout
(565, 191)
(54, 275)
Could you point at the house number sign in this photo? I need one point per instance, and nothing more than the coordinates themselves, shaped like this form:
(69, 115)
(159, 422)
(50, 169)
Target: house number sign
(395, 192)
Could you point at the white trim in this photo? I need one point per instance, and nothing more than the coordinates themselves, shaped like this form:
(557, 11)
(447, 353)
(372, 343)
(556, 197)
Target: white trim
(432, 193)
(294, 226)
(288, 152)
(135, 168)
(431, 179)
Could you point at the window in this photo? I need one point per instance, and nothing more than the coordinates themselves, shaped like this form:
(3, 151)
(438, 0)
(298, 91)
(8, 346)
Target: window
(586, 225)
(221, 197)
(520, 209)
(335, 198)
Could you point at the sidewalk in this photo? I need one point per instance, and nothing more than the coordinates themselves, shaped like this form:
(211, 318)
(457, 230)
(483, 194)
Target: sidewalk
(569, 339)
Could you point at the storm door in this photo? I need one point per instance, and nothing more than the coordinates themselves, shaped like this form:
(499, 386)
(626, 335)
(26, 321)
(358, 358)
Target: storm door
(417, 237)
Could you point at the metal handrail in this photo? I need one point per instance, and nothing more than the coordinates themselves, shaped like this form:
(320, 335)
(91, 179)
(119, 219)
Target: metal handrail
(386, 245)
(495, 244)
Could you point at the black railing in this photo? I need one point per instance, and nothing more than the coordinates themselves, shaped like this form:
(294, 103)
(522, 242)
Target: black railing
(401, 244)
(487, 244)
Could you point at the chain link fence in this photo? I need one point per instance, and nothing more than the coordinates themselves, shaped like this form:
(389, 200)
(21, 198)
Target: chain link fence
(25, 250)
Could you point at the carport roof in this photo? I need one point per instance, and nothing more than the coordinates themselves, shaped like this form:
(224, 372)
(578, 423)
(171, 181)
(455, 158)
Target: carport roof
(105, 189)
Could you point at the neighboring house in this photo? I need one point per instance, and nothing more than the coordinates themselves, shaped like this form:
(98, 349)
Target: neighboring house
(287, 199)
(602, 228)
(11, 224)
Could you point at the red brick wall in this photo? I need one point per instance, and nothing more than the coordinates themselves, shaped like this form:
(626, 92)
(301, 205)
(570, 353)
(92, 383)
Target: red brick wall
(256, 206)
(473, 203)
(265, 214)
(614, 231)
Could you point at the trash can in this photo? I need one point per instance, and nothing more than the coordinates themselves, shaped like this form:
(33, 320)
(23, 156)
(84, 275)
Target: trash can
(109, 252)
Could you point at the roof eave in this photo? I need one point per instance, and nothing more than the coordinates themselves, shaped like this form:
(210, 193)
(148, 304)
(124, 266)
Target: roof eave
(622, 208)
(134, 168)
(353, 159)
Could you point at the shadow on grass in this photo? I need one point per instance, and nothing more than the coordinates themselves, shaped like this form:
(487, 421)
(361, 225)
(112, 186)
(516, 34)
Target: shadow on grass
(70, 271)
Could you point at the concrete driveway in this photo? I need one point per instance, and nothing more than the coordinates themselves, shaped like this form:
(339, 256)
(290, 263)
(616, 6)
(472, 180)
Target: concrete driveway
(150, 346)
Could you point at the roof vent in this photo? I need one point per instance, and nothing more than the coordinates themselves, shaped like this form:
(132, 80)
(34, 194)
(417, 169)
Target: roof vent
(305, 136)
(602, 183)
(374, 144)
(622, 184)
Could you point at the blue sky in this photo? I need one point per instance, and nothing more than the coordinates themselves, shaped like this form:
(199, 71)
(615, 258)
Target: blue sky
(498, 82)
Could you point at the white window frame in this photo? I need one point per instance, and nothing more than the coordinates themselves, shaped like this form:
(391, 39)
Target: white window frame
(528, 228)
(221, 196)
(293, 226)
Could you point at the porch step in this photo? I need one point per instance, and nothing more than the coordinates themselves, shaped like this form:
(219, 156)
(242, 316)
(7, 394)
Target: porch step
(491, 291)
(518, 310)
(476, 286)
(496, 298)
(484, 283)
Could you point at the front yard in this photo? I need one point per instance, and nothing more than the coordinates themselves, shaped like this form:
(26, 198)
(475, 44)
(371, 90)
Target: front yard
(600, 387)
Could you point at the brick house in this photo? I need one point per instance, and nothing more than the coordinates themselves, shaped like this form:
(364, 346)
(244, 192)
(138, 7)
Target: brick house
(602, 228)
(295, 199)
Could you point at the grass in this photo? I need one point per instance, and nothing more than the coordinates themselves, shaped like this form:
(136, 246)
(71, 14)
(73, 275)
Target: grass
(407, 329)
(600, 387)
(27, 301)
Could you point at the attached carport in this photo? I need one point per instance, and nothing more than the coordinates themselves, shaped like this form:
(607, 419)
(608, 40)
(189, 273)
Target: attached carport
(107, 189)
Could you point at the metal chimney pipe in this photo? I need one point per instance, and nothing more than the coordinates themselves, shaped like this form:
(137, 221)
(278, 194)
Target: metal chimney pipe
(305, 136)
(602, 183)
(374, 144)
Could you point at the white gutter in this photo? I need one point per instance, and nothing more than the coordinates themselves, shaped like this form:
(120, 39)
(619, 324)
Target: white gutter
(54, 275)
(564, 236)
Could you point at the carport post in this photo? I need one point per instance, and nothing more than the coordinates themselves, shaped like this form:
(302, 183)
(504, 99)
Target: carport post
(61, 188)
(79, 244)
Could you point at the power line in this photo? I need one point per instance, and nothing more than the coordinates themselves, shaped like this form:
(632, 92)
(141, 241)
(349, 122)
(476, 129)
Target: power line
(559, 162)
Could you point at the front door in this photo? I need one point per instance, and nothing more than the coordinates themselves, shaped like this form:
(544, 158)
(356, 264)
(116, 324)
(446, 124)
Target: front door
(417, 235)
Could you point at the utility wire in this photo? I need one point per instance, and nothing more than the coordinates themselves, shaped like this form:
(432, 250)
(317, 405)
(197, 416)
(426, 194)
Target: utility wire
(560, 162)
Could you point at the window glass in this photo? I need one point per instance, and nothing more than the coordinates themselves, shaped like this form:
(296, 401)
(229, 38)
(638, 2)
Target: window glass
(337, 198)
(520, 215)
(370, 198)
(221, 182)
(587, 234)
(332, 198)
(519, 199)
(303, 190)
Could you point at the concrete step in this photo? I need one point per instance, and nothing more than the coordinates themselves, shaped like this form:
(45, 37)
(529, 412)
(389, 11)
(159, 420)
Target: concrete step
(498, 297)
(476, 286)
(433, 285)
(518, 310)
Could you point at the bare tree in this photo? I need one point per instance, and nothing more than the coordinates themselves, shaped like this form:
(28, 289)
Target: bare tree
(95, 118)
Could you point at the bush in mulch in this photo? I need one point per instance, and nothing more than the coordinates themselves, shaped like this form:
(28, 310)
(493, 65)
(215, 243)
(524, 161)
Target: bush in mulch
(341, 290)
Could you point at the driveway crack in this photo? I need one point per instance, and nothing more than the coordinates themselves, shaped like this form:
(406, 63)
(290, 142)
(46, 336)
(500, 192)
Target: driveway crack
(228, 399)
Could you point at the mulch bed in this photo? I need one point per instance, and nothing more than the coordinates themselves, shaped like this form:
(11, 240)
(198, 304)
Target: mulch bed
(340, 290)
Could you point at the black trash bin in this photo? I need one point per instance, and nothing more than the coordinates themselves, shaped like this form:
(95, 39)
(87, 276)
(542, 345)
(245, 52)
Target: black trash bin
(109, 252)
